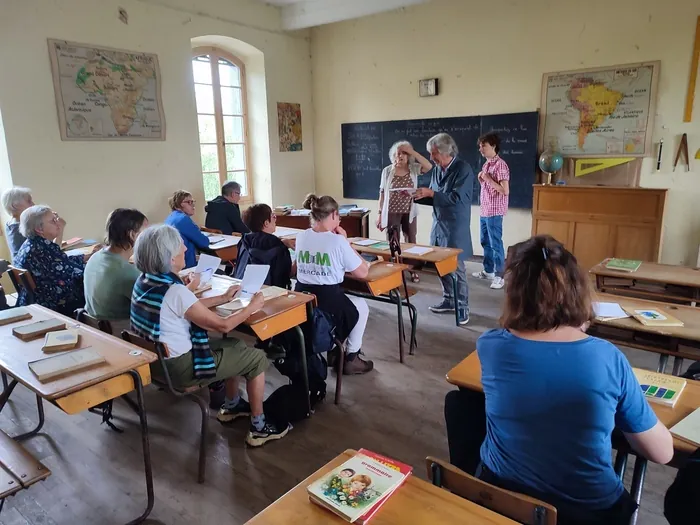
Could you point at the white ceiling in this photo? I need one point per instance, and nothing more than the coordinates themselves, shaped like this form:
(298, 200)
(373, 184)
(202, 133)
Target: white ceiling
(300, 14)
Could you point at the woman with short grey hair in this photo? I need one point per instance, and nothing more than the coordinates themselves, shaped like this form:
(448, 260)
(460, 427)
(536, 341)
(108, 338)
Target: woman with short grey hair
(165, 309)
(58, 277)
(15, 200)
(400, 180)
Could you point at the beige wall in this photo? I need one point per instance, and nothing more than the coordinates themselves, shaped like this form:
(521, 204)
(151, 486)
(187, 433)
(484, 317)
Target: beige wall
(85, 180)
(490, 57)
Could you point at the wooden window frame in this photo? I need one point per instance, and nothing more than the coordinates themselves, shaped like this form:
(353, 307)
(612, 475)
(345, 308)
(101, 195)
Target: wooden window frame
(214, 54)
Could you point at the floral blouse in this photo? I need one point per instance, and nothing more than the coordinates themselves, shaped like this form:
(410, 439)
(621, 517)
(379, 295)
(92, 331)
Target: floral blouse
(58, 277)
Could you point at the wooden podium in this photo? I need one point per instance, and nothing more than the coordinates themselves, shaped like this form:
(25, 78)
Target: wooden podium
(595, 222)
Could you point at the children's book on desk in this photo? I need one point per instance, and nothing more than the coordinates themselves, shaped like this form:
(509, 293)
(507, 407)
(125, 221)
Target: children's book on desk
(357, 489)
(61, 340)
(623, 265)
(688, 428)
(381, 245)
(12, 315)
(660, 388)
(654, 317)
(31, 331)
(50, 368)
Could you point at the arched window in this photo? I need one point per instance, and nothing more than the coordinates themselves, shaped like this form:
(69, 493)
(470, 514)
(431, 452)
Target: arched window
(219, 84)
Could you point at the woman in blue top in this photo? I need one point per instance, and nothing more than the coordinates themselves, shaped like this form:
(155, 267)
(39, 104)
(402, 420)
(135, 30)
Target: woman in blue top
(554, 395)
(180, 218)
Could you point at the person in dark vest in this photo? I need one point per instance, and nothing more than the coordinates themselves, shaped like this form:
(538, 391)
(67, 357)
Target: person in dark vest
(223, 212)
(261, 246)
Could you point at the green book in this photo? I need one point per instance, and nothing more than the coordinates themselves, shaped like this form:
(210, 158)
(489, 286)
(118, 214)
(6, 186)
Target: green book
(380, 246)
(623, 265)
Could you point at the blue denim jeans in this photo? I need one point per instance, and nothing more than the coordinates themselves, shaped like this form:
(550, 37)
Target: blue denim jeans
(492, 242)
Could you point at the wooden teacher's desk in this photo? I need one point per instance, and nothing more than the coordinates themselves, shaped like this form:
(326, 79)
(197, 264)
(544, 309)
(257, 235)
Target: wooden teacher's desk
(354, 225)
(660, 282)
(416, 502)
(126, 369)
(676, 341)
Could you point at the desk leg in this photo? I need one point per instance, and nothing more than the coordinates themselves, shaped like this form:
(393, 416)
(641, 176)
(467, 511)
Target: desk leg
(396, 295)
(4, 383)
(40, 409)
(414, 325)
(663, 360)
(138, 386)
(677, 365)
(640, 469)
(456, 296)
(302, 349)
(7, 393)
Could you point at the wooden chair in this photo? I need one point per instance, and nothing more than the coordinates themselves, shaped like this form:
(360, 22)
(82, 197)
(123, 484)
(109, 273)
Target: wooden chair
(161, 350)
(18, 468)
(210, 230)
(340, 348)
(83, 317)
(518, 507)
(22, 279)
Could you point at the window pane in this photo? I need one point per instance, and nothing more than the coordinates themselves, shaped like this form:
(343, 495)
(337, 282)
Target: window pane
(231, 103)
(240, 178)
(205, 98)
(201, 67)
(212, 188)
(207, 129)
(210, 158)
(235, 157)
(229, 74)
(233, 129)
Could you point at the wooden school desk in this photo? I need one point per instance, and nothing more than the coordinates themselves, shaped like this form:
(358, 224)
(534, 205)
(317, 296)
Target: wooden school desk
(226, 247)
(354, 225)
(126, 369)
(660, 282)
(444, 260)
(276, 316)
(416, 502)
(467, 374)
(287, 233)
(384, 278)
(677, 341)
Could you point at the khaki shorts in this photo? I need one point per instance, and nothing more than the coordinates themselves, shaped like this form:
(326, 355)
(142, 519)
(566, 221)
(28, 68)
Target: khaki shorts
(232, 357)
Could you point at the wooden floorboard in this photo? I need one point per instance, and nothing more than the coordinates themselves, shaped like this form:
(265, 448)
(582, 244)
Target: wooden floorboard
(97, 474)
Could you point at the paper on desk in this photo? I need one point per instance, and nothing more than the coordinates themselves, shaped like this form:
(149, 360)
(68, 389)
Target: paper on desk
(77, 251)
(688, 428)
(253, 279)
(213, 239)
(609, 311)
(417, 250)
(206, 267)
(301, 213)
(365, 242)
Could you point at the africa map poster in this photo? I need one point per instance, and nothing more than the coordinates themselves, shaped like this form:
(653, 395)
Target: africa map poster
(599, 112)
(106, 94)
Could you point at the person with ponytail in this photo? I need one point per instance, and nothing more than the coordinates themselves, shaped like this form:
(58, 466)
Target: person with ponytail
(324, 255)
(553, 395)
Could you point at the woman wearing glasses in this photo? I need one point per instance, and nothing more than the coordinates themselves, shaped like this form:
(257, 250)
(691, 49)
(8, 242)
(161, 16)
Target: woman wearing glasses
(180, 218)
(58, 277)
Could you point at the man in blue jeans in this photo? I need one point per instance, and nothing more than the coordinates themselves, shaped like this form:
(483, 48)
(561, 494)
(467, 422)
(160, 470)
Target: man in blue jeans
(493, 177)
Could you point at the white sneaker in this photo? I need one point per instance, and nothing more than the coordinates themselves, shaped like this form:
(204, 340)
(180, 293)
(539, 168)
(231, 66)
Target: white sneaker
(497, 283)
(484, 275)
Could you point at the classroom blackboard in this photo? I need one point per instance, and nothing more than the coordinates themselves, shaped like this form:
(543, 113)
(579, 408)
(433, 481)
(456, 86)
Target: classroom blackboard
(365, 148)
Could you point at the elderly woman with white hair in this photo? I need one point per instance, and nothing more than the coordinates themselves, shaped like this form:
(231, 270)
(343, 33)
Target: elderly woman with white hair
(58, 277)
(165, 309)
(399, 181)
(15, 200)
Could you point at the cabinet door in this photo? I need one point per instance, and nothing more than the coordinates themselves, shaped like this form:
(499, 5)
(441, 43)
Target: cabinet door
(635, 242)
(591, 243)
(560, 230)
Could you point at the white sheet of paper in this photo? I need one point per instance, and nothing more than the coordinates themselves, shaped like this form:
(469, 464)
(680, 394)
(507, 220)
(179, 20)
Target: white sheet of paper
(77, 251)
(689, 427)
(213, 239)
(417, 250)
(609, 310)
(365, 242)
(253, 279)
(408, 190)
(206, 267)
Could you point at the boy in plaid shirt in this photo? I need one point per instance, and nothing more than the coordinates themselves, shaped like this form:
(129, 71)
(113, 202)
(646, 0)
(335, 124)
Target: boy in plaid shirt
(493, 177)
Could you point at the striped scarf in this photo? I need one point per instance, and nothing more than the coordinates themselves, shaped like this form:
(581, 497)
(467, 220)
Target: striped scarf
(146, 301)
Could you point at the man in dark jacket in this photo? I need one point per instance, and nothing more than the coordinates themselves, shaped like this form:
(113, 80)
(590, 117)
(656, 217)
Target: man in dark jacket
(223, 212)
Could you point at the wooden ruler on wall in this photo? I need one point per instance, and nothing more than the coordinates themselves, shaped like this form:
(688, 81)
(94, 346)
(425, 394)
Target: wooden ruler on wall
(690, 96)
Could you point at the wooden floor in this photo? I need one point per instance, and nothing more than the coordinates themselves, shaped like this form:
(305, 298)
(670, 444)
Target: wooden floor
(397, 410)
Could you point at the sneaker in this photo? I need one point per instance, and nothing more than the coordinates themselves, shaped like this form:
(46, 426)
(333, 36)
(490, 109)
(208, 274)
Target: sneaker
(270, 432)
(484, 275)
(463, 317)
(357, 365)
(444, 307)
(497, 283)
(226, 415)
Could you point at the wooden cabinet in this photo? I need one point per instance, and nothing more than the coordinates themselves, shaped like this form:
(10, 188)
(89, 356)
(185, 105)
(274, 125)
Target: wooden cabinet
(595, 222)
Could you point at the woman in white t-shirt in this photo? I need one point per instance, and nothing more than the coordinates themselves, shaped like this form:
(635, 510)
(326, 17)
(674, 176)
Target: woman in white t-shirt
(324, 256)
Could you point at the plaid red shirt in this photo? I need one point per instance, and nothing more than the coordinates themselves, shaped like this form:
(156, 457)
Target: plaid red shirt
(492, 202)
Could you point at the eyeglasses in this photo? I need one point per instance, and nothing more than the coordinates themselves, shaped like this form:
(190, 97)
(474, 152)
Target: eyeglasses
(189, 201)
(274, 217)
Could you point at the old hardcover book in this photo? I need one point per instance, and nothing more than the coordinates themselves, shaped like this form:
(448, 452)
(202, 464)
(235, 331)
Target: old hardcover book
(31, 331)
(12, 315)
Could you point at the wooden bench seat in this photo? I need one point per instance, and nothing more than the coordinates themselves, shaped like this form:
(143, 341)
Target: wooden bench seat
(19, 468)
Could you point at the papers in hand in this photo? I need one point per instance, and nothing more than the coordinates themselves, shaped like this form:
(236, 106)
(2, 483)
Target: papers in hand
(609, 311)
(410, 191)
(253, 279)
(206, 267)
(417, 250)
(269, 292)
